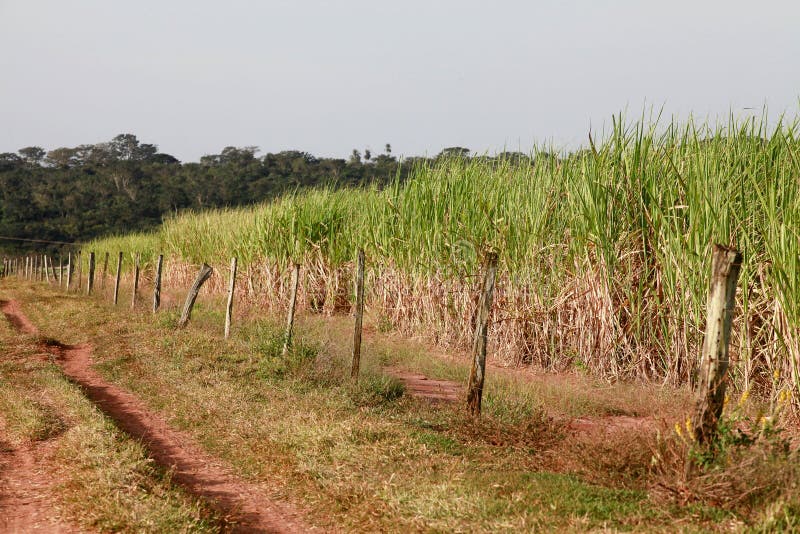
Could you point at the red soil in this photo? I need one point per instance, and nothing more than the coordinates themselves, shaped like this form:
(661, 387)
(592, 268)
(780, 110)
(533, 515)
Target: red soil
(245, 506)
(26, 502)
(418, 385)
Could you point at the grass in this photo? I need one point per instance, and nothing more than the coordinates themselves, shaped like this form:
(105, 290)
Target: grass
(604, 252)
(103, 480)
(366, 457)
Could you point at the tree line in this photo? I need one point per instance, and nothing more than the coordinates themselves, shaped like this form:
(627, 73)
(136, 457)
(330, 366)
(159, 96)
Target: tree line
(123, 185)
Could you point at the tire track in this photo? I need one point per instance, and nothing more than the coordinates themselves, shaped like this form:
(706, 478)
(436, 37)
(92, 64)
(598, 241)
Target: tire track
(245, 506)
(26, 504)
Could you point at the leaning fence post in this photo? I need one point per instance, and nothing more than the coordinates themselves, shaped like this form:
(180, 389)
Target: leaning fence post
(202, 276)
(229, 307)
(90, 275)
(359, 315)
(287, 340)
(116, 282)
(725, 266)
(157, 284)
(135, 280)
(478, 371)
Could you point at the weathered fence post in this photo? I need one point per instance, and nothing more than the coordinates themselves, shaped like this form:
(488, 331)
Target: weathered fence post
(229, 307)
(105, 272)
(287, 340)
(69, 269)
(157, 284)
(79, 270)
(135, 280)
(725, 266)
(53, 269)
(60, 270)
(202, 276)
(90, 275)
(116, 282)
(46, 272)
(478, 371)
(359, 315)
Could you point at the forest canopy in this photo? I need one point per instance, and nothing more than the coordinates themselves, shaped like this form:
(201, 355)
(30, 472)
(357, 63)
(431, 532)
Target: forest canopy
(76, 194)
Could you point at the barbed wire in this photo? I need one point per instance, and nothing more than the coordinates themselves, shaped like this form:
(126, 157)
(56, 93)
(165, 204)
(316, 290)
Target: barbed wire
(28, 240)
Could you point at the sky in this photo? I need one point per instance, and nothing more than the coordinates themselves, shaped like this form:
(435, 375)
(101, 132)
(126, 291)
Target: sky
(195, 76)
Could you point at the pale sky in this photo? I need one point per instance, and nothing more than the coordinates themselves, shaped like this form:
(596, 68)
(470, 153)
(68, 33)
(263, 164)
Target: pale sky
(326, 77)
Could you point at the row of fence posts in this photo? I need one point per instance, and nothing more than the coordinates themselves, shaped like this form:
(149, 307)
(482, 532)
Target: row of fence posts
(42, 268)
(711, 386)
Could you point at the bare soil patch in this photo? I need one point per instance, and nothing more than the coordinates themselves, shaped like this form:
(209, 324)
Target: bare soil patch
(245, 506)
(13, 312)
(420, 386)
(26, 502)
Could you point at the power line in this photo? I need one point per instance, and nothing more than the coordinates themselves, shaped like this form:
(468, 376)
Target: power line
(7, 238)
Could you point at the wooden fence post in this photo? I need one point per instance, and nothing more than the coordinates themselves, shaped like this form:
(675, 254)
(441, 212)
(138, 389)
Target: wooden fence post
(287, 340)
(157, 284)
(116, 282)
(359, 315)
(229, 307)
(105, 272)
(90, 275)
(79, 270)
(53, 269)
(46, 272)
(135, 280)
(725, 266)
(478, 371)
(69, 269)
(60, 270)
(202, 276)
